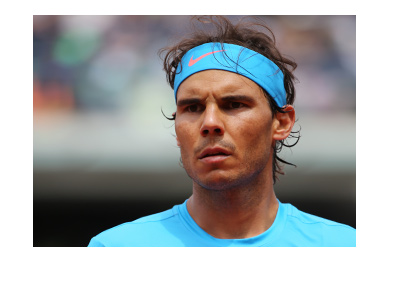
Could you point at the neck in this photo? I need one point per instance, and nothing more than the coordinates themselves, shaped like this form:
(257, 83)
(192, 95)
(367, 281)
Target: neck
(239, 212)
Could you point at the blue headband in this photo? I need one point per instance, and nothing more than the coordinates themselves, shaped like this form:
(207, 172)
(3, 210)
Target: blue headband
(237, 59)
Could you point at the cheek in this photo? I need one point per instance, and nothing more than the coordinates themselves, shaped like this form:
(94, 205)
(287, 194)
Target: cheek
(185, 135)
(257, 145)
(255, 133)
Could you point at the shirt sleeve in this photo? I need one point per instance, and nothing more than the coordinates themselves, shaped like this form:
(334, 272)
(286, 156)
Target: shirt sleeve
(340, 235)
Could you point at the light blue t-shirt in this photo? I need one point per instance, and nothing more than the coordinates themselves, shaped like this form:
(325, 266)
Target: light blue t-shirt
(175, 227)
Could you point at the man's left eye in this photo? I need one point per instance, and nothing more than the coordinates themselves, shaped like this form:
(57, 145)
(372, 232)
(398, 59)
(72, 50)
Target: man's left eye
(235, 105)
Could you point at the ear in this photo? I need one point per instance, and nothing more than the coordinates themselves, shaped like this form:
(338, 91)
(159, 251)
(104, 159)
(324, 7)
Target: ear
(283, 123)
(176, 136)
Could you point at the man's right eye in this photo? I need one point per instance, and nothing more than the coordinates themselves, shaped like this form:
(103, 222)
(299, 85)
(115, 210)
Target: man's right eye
(193, 108)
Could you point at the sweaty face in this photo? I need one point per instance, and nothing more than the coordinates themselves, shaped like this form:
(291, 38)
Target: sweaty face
(224, 128)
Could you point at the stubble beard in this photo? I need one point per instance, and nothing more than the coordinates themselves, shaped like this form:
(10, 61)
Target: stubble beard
(247, 178)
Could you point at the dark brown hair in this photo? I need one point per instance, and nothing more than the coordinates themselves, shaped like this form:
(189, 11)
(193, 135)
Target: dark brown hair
(253, 35)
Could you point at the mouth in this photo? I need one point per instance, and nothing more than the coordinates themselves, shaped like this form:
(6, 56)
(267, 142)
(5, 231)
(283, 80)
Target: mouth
(215, 152)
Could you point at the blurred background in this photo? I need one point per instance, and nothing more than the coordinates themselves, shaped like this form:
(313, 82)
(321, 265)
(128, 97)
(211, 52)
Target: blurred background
(104, 154)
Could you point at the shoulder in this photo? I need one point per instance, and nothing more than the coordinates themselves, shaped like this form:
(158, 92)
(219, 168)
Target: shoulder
(322, 231)
(141, 232)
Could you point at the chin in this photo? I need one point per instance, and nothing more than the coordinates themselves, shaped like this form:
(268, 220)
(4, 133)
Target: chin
(219, 182)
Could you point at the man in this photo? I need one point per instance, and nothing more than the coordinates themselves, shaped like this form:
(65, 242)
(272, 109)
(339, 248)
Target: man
(234, 94)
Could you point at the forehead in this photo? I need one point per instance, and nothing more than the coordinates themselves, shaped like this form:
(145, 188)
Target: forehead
(217, 82)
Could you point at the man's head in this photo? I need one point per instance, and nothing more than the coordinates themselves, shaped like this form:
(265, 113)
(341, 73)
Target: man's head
(250, 106)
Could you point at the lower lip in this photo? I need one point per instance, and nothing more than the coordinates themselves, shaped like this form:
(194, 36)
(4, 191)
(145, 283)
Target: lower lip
(214, 159)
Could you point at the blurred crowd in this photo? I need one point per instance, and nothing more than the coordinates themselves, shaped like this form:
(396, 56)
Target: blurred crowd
(84, 63)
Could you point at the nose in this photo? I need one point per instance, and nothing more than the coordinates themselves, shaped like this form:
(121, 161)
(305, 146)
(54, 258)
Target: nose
(212, 122)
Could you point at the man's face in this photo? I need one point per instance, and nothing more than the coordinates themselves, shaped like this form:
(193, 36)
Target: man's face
(224, 128)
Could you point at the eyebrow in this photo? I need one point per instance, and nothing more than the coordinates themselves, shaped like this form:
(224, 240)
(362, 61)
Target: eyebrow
(188, 101)
(245, 98)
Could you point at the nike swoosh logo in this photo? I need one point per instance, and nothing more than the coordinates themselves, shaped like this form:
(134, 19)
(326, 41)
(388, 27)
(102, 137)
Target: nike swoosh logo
(192, 61)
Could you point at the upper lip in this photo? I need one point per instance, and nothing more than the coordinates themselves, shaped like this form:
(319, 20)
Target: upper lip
(213, 150)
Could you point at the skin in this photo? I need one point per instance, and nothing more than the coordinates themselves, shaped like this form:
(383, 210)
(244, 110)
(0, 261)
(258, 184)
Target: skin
(233, 195)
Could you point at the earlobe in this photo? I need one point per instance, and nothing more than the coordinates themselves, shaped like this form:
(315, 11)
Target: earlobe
(283, 123)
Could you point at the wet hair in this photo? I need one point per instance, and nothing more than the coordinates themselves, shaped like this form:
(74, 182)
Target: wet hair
(254, 35)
